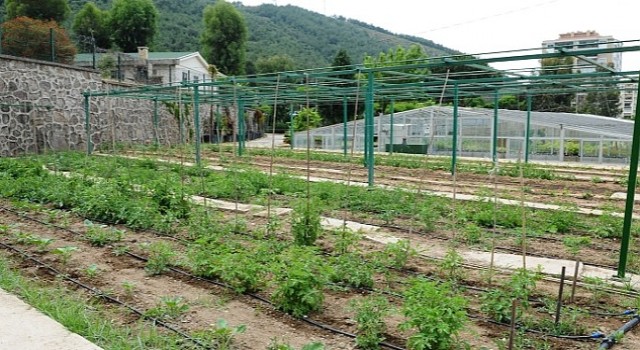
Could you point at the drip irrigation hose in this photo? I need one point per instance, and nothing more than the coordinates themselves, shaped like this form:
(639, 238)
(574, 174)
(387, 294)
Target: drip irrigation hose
(102, 295)
(608, 342)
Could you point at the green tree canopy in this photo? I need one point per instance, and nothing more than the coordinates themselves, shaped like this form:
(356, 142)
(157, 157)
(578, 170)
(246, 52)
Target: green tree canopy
(133, 23)
(55, 10)
(224, 39)
(276, 63)
(604, 101)
(92, 22)
(28, 37)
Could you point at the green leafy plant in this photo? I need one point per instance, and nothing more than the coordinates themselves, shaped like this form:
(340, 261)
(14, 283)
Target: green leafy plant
(575, 244)
(221, 335)
(435, 312)
(168, 307)
(497, 302)
(451, 266)
(92, 271)
(305, 223)
(398, 254)
(129, 288)
(472, 233)
(41, 243)
(65, 253)
(101, 235)
(352, 270)
(369, 316)
(299, 279)
(161, 255)
(280, 345)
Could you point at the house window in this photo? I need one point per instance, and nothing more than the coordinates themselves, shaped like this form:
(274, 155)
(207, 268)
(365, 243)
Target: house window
(185, 76)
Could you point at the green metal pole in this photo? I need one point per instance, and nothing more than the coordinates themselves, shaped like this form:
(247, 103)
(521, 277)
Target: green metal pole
(494, 142)
(369, 127)
(631, 192)
(52, 45)
(196, 120)
(291, 131)
(218, 126)
(155, 121)
(454, 151)
(527, 131)
(87, 122)
(391, 126)
(345, 120)
(240, 126)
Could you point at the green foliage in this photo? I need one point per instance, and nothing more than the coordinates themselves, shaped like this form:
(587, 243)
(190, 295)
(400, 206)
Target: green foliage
(274, 64)
(133, 23)
(278, 345)
(92, 22)
(168, 308)
(65, 253)
(300, 277)
(92, 271)
(307, 118)
(47, 10)
(451, 266)
(575, 244)
(435, 312)
(101, 235)
(224, 38)
(352, 270)
(30, 38)
(397, 254)
(305, 223)
(370, 313)
(160, 257)
(497, 303)
(221, 336)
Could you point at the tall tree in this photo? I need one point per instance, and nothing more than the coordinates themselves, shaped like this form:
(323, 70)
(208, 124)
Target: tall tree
(334, 112)
(553, 101)
(55, 10)
(92, 23)
(224, 39)
(28, 37)
(604, 101)
(133, 23)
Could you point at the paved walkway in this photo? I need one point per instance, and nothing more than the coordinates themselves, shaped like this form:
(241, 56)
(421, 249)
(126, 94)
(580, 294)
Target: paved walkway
(25, 328)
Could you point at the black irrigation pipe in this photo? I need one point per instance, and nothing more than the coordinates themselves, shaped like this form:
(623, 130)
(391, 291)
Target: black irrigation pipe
(194, 277)
(102, 295)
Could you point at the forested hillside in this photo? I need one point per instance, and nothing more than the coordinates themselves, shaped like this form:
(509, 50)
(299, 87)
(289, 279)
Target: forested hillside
(309, 38)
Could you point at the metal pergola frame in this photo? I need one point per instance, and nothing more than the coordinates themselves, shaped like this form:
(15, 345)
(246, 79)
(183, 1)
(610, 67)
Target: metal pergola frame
(466, 76)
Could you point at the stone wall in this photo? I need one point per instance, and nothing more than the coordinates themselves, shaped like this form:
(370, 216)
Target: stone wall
(42, 108)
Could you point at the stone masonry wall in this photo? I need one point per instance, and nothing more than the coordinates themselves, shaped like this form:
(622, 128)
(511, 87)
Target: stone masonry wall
(42, 108)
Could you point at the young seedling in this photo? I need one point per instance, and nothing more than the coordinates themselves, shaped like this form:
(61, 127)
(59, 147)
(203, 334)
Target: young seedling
(92, 271)
(161, 255)
(222, 336)
(65, 253)
(168, 307)
(129, 288)
(101, 235)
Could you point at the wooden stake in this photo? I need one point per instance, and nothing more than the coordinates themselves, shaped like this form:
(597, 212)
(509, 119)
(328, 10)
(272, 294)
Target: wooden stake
(575, 281)
(560, 292)
(512, 333)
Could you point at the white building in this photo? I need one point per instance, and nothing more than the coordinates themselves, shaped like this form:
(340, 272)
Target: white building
(629, 100)
(590, 39)
(151, 67)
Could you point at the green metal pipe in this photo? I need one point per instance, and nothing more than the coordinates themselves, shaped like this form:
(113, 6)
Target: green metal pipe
(87, 122)
(369, 127)
(240, 128)
(345, 120)
(454, 151)
(391, 127)
(196, 121)
(155, 121)
(631, 193)
(494, 142)
(291, 130)
(52, 44)
(527, 130)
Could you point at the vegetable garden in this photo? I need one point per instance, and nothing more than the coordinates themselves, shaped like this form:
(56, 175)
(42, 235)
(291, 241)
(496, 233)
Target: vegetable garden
(222, 246)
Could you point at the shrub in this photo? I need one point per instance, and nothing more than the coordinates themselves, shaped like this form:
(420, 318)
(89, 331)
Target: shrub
(435, 312)
(370, 313)
(30, 38)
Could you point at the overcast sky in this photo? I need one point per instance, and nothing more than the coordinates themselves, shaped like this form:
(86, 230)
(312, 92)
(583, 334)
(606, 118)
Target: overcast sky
(475, 26)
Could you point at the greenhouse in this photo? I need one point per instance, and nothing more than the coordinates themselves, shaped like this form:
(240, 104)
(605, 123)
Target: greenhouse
(553, 136)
